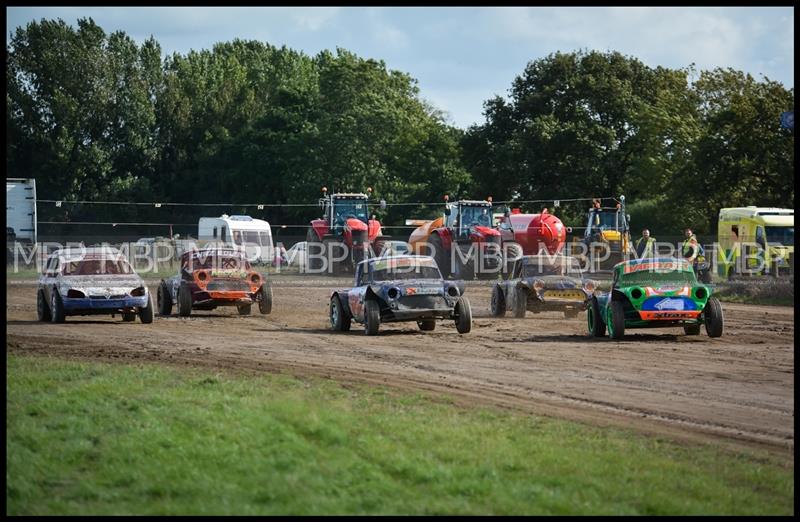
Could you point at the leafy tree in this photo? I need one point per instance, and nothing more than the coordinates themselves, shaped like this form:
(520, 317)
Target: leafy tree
(742, 155)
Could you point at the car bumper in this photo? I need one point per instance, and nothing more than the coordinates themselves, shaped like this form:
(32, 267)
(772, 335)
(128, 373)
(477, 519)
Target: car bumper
(223, 297)
(670, 315)
(85, 303)
(418, 313)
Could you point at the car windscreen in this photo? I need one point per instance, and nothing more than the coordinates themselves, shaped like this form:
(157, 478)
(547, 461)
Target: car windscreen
(651, 274)
(404, 269)
(86, 267)
(217, 262)
(780, 235)
(548, 267)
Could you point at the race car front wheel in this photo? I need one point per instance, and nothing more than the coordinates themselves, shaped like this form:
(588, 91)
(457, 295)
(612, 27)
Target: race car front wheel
(463, 313)
(146, 312)
(265, 298)
(340, 320)
(616, 321)
(42, 310)
(372, 317)
(57, 314)
(498, 304)
(712, 316)
(597, 328)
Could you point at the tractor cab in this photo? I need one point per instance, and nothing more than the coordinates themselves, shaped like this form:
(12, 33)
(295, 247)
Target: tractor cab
(609, 222)
(462, 216)
(339, 208)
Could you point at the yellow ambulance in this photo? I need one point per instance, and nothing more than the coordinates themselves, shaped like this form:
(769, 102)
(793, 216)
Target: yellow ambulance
(745, 234)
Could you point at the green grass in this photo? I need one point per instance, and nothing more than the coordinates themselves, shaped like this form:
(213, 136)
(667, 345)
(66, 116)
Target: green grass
(93, 438)
(22, 273)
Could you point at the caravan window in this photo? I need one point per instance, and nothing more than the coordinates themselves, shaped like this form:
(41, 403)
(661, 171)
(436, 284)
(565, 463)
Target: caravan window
(251, 237)
(214, 233)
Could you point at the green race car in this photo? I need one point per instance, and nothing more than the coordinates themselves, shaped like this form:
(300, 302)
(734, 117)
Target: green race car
(654, 293)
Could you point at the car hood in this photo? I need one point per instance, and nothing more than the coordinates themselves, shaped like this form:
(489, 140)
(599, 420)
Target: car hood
(555, 282)
(419, 286)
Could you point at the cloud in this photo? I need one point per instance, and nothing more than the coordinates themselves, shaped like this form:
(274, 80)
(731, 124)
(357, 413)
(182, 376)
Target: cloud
(670, 37)
(314, 19)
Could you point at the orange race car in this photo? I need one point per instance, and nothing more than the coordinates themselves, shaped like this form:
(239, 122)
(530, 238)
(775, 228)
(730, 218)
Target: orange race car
(214, 277)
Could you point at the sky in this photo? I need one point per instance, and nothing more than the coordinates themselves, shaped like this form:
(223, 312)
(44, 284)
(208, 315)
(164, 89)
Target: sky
(463, 56)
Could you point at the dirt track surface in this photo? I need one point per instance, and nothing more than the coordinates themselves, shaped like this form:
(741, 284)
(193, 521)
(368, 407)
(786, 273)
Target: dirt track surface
(736, 390)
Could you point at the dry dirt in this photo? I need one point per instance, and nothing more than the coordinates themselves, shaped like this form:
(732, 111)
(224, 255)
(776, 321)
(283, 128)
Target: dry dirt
(735, 391)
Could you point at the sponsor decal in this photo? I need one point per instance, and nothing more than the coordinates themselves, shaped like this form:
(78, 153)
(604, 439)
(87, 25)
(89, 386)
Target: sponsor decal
(669, 304)
(658, 266)
(669, 315)
(229, 273)
(411, 290)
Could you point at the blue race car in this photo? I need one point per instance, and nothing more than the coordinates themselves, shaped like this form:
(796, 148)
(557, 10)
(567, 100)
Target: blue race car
(400, 288)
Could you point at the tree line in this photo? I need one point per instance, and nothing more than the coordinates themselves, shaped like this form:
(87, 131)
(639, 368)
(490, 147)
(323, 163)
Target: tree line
(96, 116)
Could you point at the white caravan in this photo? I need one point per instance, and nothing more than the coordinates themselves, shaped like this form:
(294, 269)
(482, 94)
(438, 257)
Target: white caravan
(253, 236)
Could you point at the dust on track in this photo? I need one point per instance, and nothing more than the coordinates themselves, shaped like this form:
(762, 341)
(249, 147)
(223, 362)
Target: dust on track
(737, 390)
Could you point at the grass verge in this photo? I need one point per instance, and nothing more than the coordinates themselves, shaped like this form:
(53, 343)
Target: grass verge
(93, 438)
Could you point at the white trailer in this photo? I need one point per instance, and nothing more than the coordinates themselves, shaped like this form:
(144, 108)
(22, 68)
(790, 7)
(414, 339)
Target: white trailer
(21, 210)
(253, 236)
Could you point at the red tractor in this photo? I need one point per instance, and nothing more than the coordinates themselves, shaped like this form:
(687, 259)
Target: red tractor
(463, 241)
(345, 235)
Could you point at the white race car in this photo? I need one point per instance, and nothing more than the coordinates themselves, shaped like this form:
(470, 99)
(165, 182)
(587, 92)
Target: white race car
(91, 281)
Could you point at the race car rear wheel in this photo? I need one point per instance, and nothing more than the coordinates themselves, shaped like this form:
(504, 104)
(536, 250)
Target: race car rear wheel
(616, 320)
(712, 316)
(184, 300)
(265, 298)
(313, 253)
(243, 309)
(372, 317)
(520, 302)
(427, 325)
(440, 255)
(340, 319)
(463, 315)
(42, 310)
(146, 312)
(597, 328)
(498, 304)
(164, 299)
(692, 329)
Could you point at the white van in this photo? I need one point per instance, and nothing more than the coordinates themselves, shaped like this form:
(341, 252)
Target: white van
(253, 236)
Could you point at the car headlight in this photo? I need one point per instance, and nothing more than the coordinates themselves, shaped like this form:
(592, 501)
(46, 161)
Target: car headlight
(538, 285)
(138, 291)
(393, 293)
(75, 294)
(589, 286)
